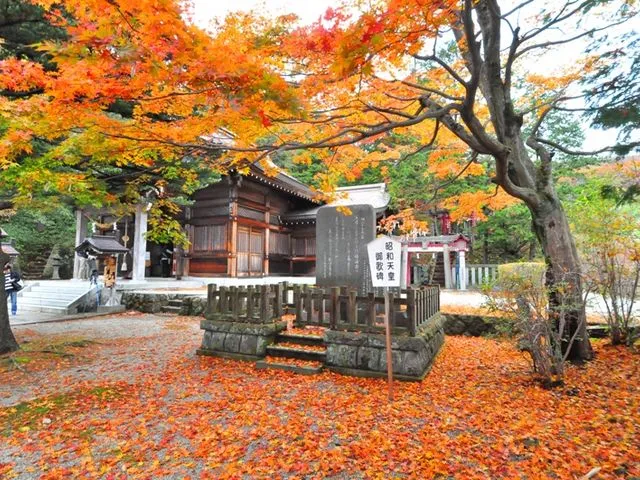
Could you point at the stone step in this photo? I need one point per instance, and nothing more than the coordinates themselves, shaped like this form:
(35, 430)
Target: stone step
(170, 309)
(35, 295)
(45, 302)
(300, 339)
(41, 308)
(297, 353)
(79, 289)
(302, 369)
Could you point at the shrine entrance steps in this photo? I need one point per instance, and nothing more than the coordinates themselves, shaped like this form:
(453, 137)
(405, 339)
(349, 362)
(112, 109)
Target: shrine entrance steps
(174, 306)
(295, 352)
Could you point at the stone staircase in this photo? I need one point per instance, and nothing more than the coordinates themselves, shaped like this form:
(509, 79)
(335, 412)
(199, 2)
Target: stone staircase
(174, 307)
(294, 352)
(34, 269)
(50, 298)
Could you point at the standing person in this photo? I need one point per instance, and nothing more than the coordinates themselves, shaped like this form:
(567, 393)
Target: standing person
(11, 286)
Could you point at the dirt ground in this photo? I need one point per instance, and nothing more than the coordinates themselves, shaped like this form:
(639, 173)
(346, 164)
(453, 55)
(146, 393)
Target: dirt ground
(125, 397)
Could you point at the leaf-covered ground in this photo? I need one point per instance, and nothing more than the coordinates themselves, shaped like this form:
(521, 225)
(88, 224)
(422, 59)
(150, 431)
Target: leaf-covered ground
(127, 398)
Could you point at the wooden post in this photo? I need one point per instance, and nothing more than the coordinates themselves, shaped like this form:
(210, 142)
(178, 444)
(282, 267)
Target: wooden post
(334, 315)
(267, 239)
(352, 307)
(308, 304)
(224, 301)
(318, 304)
(264, 304)
(371, 310)
(285, 294)
(388, 298)
(412, 310)
(232, 230)
(235, 303)
(278, 301)
(250, 304)
(212, 298)
(297, 301)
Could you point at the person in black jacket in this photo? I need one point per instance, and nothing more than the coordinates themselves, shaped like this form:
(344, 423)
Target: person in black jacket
(11, 286)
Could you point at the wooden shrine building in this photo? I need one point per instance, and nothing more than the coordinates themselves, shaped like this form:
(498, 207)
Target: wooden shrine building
(238, 227)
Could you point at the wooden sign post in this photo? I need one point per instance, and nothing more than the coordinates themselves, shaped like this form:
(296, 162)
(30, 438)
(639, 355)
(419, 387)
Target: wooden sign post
(384, 263)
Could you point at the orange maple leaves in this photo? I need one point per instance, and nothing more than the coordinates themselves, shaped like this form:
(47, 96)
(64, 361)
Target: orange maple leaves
(477, 415)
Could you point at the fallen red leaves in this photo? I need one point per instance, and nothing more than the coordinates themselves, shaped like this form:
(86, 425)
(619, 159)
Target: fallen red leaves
(175, 415)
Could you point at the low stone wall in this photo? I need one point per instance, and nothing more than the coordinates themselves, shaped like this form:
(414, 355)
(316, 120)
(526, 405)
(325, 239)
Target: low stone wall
(360, 354)
(153, 302)
(471, 325)
(244, 341)
(195, 306)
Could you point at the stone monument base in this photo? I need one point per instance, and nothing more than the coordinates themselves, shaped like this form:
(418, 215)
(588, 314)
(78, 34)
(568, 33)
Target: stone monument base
(360, 354)
(242, 341)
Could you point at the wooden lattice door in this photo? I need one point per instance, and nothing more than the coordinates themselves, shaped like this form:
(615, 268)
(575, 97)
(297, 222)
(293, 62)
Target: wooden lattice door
(250, 251)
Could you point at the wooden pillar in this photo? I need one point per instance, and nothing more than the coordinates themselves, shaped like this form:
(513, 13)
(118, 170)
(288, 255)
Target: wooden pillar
(139, 242)
(188, 229)
(81, 234)
(232, 231)
(267, 235)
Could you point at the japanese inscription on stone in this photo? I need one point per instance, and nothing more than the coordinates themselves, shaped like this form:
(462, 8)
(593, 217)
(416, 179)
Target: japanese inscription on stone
(341, 247)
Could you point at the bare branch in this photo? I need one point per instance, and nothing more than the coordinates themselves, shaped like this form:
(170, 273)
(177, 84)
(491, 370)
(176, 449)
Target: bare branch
(443, 64)
(566, 40)
(557, 146)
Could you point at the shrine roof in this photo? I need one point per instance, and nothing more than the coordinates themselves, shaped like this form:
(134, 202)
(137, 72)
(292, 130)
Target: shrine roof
(374, 194)
(100, 245)
(10, 250)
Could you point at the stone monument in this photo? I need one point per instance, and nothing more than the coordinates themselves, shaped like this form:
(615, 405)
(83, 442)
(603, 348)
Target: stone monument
(341, 247)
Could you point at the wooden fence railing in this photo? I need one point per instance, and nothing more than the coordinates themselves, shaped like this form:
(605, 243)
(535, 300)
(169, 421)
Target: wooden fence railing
(337, 308)
(248, 304)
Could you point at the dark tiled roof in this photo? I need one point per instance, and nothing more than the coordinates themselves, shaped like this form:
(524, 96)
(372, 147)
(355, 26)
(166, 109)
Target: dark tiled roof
(283, 182)
(100, 245)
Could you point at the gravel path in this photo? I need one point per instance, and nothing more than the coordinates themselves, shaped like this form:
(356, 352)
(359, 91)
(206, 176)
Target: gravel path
(121, 347)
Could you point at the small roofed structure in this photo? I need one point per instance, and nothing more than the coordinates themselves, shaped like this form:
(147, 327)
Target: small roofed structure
(10, 250)
(100, 246)
(7, 247)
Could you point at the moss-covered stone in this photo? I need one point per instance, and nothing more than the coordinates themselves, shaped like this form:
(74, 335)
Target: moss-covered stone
(246, 339)
(366, 353)
(472, 325)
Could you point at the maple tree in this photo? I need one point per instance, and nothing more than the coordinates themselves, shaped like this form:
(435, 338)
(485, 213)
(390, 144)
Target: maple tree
(96, 113)
(457, 75)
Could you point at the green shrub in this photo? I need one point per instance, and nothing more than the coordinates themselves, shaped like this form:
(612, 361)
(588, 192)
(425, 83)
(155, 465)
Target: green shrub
(521, 275)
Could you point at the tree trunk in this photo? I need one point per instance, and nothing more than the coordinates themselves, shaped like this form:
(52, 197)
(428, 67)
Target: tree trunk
(8, 342)
(563, 278)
